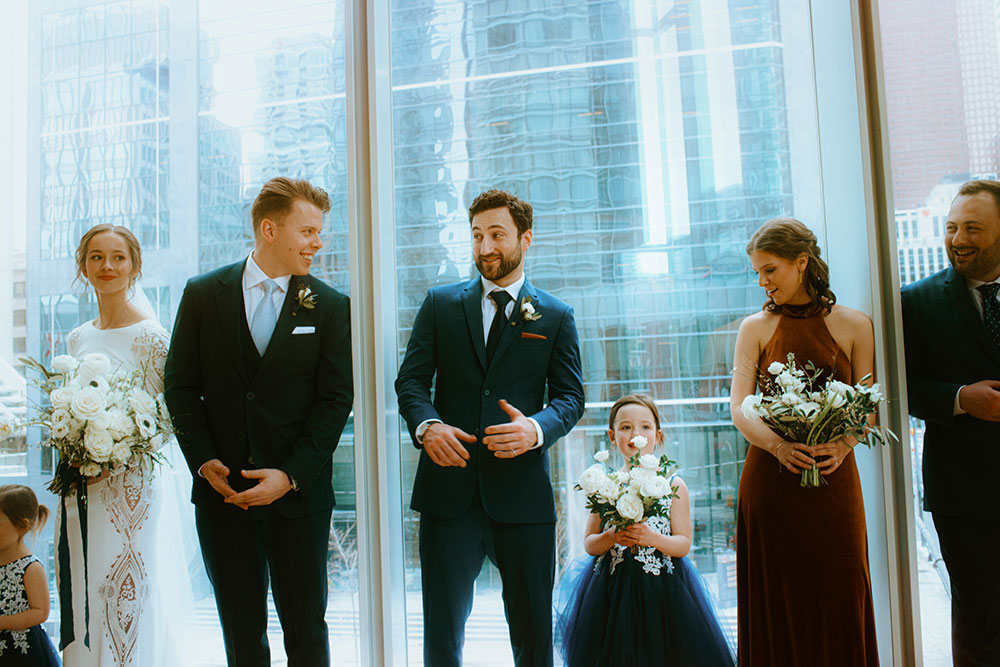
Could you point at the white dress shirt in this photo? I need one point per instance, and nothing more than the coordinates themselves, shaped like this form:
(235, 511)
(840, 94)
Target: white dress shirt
(489, 307)
(977, 299)
(253, 289)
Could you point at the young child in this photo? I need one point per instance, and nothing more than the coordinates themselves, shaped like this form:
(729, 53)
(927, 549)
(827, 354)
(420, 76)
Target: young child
(24, 590)
(642, 606)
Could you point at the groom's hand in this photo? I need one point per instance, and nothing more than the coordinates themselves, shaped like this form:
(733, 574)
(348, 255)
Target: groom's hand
(443, 444)
(513, 439)
(273, 484)
(216, 473)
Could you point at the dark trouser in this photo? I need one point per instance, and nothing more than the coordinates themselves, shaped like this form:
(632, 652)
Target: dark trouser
(451, 555)
(242, 552)
(969, 547)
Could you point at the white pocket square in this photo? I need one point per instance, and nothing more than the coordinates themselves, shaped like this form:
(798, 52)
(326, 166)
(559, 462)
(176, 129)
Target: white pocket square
(303, 330)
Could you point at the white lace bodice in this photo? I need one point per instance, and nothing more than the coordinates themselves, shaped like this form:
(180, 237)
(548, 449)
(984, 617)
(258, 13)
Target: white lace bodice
(137, 347)
(653, 562)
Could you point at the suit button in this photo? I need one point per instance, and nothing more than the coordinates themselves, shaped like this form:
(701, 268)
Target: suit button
(486, 392)
(251, 396)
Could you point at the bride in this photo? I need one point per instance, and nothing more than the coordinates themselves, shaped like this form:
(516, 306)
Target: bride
(127, 625)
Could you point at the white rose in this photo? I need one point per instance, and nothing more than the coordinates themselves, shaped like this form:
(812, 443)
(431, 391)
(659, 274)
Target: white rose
(835, 399)
(608, 490)
(649, 462)
(621, 476)
(90, 469)
(61, 397)
(64, 363)
(142, 402)
(750, 405)
(775, 367)
(61, 415)
(601, 456)
(93, 365)
(840, 388)
(789, 382)
(99, 421)
(591, 478)
(655, 487)
(146, 424)
(119, 423)
(122, 451)
(791, 400)
(527, 308)
(639, 441)
(875, 393)
(60, 430)
(87, 402)
(641, 474)
(99, 444)
(629, 506)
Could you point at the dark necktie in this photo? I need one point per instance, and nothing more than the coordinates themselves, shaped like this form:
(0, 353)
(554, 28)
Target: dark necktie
(991, 310)
(501, 298)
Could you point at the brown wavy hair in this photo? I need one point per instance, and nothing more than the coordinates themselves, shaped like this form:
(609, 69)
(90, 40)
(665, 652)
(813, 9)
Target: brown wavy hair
(633, 399)
(788, 238)
(131, 242)
(519, 209)
(20, 505)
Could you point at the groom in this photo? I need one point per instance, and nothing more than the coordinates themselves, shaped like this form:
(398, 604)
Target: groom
(258, 382)
(493, 348)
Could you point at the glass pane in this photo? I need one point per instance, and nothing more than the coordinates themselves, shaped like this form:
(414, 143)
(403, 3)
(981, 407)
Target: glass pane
(178, 154)
(942, 81)
(652, 139)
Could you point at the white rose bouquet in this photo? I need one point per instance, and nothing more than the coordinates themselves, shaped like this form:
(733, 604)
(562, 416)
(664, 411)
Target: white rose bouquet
(801, 410)
(97, 420)
(633, 494)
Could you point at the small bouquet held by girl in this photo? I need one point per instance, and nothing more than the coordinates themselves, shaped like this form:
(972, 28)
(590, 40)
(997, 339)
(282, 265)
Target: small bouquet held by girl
(802, 410)
(97, 419)
(637, 601)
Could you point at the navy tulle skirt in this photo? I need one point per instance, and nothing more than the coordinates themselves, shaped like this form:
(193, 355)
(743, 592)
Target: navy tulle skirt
(41, 652)
(630, 618)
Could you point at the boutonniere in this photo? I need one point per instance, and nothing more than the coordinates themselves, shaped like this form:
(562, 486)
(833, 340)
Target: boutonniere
(305, 298)
(527, 310)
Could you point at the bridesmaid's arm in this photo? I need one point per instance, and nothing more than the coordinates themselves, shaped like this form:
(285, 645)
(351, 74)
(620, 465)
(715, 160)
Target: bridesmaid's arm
(37, 588)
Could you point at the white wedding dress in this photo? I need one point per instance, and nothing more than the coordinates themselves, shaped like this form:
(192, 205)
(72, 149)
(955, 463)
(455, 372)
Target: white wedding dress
(128, 624)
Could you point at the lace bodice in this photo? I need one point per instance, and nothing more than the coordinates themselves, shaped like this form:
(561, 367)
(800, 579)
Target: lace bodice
(652, 560)
(14, 600)
(141, 346)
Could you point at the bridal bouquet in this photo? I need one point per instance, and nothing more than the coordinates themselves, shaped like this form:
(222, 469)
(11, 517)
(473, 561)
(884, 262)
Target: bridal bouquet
(96, 419)
(624, 497)
(801, 410)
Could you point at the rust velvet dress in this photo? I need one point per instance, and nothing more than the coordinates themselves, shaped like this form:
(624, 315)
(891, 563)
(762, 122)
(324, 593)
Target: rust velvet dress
(802, 553)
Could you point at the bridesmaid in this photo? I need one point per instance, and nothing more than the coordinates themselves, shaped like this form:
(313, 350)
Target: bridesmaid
(802, 553)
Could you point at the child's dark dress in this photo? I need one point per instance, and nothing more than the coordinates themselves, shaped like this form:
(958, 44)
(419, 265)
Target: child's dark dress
(634, 610)
(30, 647)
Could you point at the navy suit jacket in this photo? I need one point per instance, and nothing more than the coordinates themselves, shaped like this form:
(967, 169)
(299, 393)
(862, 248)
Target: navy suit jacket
(289, 415)
(447, 350)
(947, 346)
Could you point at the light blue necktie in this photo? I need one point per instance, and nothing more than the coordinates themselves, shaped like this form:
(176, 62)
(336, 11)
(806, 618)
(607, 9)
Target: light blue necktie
(264, 317)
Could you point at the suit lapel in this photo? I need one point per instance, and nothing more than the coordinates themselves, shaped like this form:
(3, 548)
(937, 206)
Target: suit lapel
(958, 291)
(515, 324)
(472, 300)
(283, 328)
(231, 309)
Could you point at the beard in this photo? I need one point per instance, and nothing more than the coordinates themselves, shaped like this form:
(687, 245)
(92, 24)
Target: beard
(983, 266)
(506, 265)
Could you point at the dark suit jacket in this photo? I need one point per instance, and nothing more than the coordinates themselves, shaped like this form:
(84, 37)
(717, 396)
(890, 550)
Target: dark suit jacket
(946, 347)
(447, 349)
(289, 415)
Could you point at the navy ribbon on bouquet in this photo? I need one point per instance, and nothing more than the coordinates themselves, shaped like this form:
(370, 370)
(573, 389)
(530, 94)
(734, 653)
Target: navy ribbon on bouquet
(69, 477)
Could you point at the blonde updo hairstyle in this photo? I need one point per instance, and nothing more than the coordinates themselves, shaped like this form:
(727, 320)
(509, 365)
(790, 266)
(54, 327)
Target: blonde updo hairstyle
(131, 242)
(788, 238)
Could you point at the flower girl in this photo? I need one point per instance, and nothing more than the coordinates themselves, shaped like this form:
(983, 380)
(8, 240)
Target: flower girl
(639, 602)
(24, 590)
